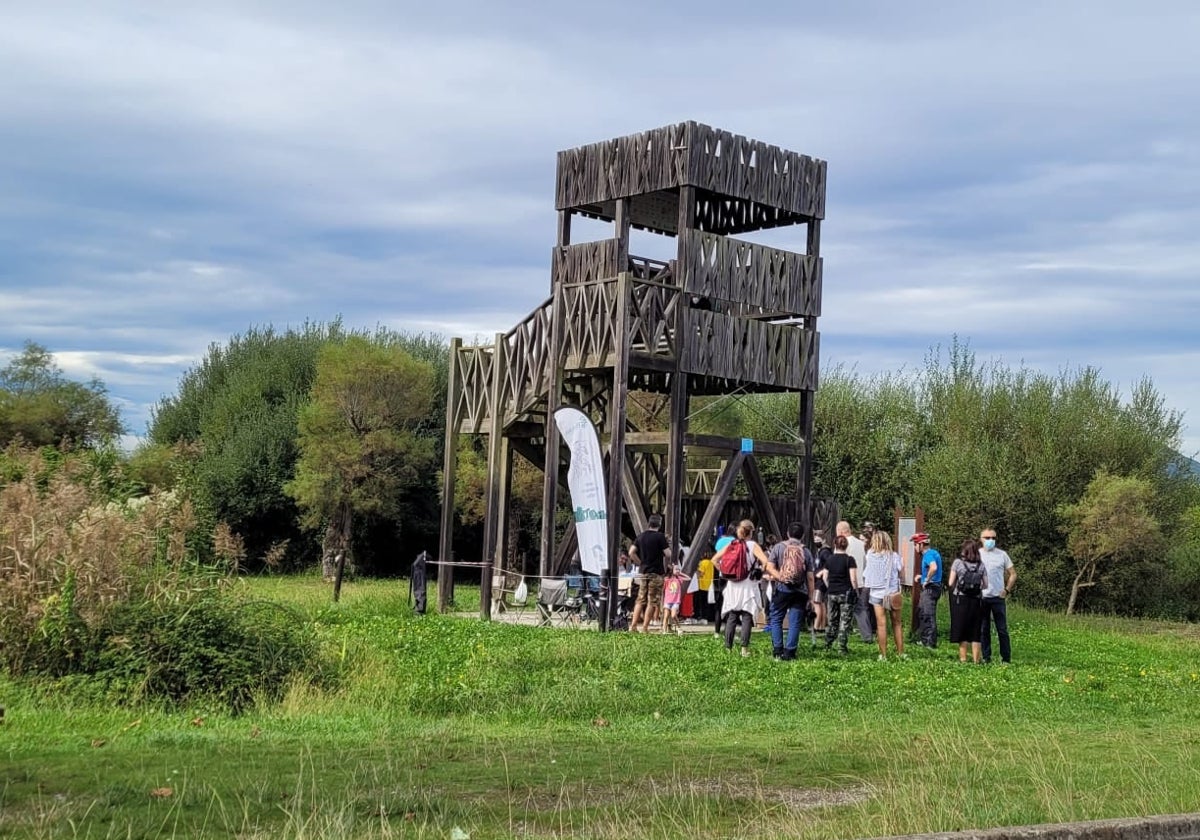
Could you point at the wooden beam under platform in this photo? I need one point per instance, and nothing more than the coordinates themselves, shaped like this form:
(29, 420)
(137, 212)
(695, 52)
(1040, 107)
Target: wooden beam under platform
(709, 444)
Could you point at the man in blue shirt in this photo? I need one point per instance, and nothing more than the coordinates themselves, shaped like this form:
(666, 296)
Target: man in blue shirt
(931, 588)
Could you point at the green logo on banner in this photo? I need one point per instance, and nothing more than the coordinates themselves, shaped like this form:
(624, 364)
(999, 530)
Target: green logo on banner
(589, 514)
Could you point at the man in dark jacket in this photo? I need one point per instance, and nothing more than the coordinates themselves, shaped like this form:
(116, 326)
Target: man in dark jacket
(417, 585)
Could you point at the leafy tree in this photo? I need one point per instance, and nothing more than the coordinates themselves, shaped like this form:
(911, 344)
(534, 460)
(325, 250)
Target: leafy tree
(42, 407)
(238, 412)
(360, 442)
(1111, 523)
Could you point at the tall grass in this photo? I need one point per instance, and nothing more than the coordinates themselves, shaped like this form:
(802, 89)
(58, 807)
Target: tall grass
(503, 731)
(69, 552)
(104, 593)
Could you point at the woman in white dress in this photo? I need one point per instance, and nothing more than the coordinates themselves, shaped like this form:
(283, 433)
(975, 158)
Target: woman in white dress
(741, 600)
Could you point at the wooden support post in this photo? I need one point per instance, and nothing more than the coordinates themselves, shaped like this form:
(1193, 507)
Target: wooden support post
(554, 381)
(553, 401)
(675, 461)
(635, 499)
(564, 228)
(491, 517)
(679, 396)
(616, 442)
(621, 224)
(503, 537)
(805, 467)
(760, 497)
(702, 540)
(445, 581)
(563, 550)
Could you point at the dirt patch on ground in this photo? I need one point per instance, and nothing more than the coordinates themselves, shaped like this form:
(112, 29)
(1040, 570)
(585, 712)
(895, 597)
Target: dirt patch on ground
(739, 789)
(792, 797)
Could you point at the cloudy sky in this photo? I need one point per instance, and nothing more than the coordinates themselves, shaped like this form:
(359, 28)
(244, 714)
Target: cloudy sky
(1023, 176)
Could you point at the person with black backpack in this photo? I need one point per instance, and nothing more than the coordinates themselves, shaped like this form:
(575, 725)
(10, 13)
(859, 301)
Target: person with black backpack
(967, 580)
(790, 569)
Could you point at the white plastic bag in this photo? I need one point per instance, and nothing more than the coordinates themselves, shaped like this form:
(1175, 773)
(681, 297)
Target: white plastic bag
(521, 594)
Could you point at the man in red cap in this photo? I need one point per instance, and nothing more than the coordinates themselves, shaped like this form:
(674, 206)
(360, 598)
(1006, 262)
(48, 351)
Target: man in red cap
(931, 588)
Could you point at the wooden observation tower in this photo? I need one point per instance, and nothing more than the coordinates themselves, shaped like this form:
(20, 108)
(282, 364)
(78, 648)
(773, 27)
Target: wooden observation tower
(725, 315)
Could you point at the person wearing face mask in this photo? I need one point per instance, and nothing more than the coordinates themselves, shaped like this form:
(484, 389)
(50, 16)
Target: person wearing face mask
(1000, 579)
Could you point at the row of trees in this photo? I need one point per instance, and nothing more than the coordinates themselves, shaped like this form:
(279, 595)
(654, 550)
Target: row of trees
(984, 444)
(318, 440)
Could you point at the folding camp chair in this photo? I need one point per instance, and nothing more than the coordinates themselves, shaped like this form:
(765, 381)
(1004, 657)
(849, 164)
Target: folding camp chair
(510, 595)
(558, 603)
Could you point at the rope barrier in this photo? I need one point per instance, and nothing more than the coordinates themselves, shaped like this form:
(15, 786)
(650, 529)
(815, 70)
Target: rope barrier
(472, 564)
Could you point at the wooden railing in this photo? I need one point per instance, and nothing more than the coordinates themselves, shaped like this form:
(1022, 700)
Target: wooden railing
(749, 276)
(721, 342)
(526, 362)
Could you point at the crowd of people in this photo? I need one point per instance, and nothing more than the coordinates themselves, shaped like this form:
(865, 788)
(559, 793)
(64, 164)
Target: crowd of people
(853, 581)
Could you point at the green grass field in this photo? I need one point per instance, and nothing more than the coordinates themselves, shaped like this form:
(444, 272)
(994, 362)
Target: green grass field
(435, 724)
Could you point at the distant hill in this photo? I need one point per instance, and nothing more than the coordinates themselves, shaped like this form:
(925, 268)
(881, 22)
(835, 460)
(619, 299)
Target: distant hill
(1187, 466)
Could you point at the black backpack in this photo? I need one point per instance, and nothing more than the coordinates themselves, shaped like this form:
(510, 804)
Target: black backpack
(970, 583)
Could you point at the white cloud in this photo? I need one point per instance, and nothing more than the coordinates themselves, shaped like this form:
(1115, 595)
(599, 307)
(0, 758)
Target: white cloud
(1028, 177)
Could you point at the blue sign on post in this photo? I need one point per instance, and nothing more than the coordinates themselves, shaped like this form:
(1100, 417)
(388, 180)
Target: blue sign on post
(747, 444)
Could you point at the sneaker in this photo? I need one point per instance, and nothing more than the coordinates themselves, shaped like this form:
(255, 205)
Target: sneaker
(678, 631)
(882, 658)
(745, 652)
(716, 634)
(904, 656)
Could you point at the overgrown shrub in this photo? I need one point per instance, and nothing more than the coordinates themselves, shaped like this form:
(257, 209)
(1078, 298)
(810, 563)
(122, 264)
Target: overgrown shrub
(107, 587)
(69, 551)
(206, 646)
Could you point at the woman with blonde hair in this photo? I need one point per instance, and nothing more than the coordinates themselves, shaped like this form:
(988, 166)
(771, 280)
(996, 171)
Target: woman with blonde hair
(881, 576)
(741, 600)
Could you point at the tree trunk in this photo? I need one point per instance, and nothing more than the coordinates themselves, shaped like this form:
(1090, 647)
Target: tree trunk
(1078, 584)
(329, 553)
(335, 545)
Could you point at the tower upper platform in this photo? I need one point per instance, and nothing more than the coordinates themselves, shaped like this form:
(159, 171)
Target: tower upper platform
(741, 184)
